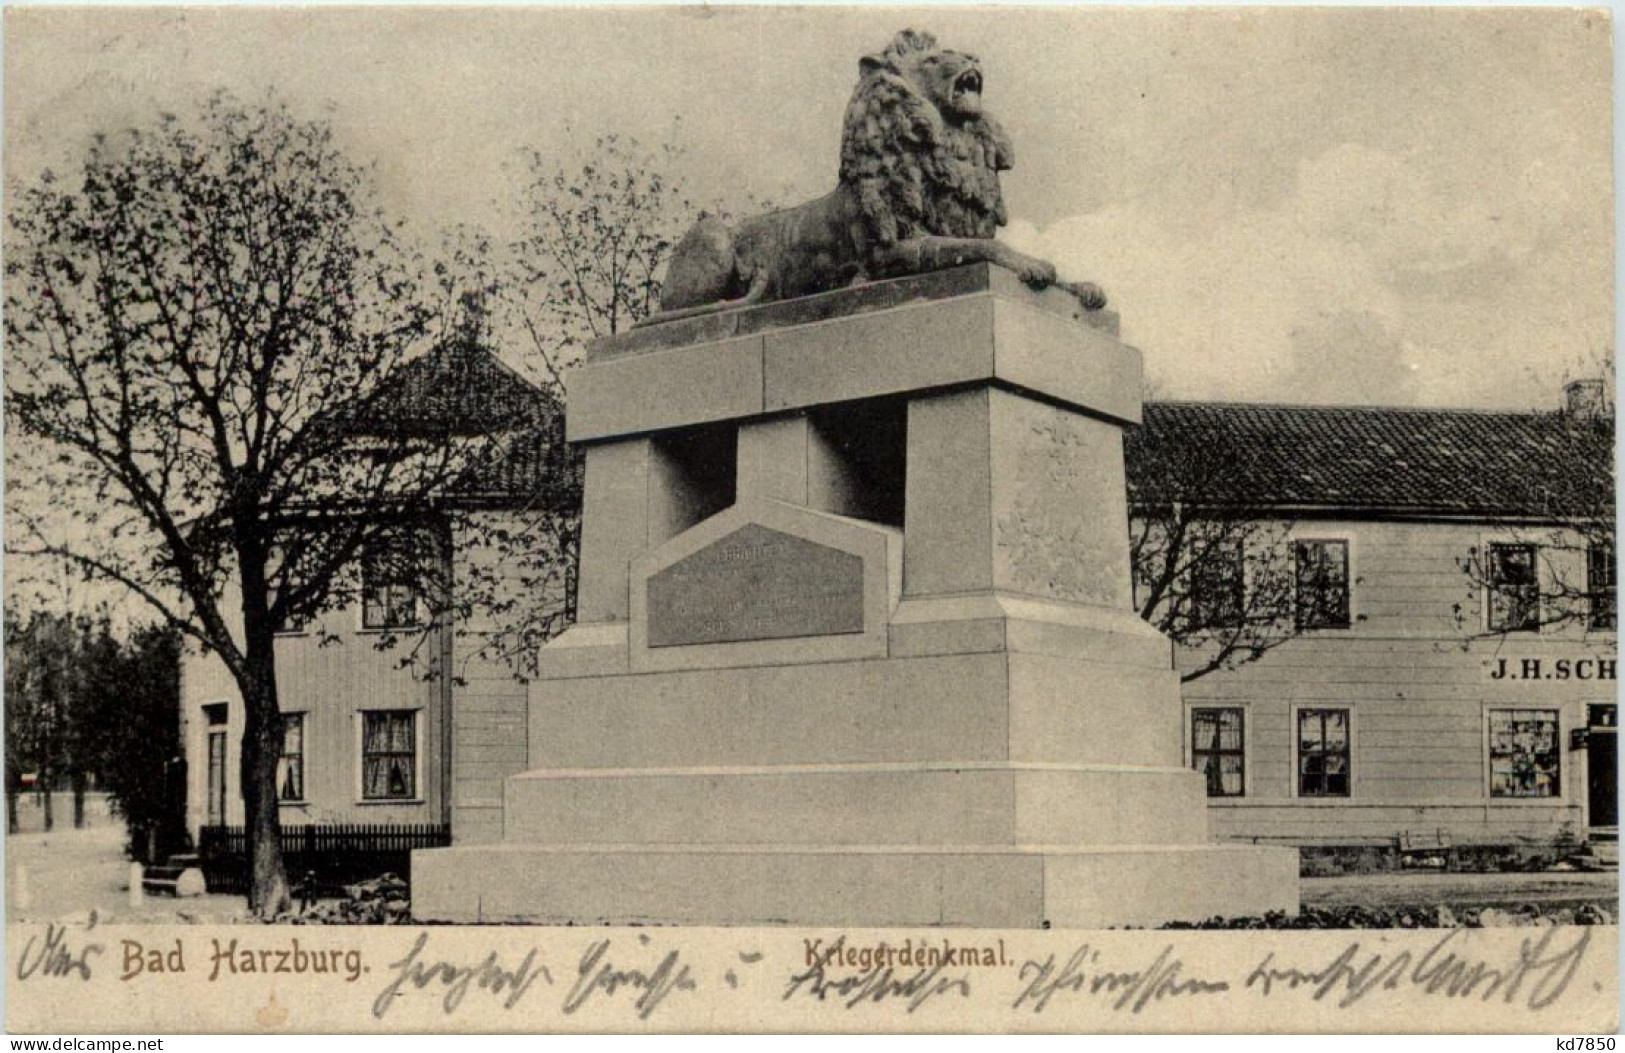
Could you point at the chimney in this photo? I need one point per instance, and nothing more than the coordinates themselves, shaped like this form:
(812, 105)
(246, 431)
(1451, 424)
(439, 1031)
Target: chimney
(1587, 399)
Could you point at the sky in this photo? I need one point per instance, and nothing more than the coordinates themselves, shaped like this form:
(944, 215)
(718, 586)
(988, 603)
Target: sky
(1373, 206)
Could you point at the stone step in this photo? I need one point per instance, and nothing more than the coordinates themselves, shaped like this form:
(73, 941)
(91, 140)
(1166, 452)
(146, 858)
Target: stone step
(856, 886)
(915, 804)
(1599, 854)
(989, 706)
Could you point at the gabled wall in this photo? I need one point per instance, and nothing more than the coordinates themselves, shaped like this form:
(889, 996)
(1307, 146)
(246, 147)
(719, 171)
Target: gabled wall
(462, 759)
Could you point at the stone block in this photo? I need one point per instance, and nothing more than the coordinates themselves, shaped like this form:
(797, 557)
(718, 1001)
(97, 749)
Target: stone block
(994, 621)
(773, 459)
(1059, 503)
(904, 349)
(950, 527)
(916, 334)
(1068, 711)
(1038, 350)
(585, 649)
(637, 394)
(722, 885)
(984, 803)
(844, 303)
(900, 710)
(765, 583)
(614, 526)
(851, 887)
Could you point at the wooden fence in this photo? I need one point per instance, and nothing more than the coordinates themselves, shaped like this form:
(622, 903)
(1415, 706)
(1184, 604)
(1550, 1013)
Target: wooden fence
(336, 854)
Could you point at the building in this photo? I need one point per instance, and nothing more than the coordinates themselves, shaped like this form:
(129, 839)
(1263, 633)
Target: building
(1452, 682)
(367, 691)
(1424, 705)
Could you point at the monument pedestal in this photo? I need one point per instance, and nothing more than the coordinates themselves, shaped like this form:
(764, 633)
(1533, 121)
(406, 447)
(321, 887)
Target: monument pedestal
(855, 641)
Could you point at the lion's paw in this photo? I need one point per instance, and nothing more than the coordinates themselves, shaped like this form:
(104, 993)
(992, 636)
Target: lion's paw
(1090, 295)
(1037, 273)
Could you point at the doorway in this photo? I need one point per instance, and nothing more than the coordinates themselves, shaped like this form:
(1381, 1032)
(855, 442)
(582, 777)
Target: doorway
(1602, 766)
(215, 715)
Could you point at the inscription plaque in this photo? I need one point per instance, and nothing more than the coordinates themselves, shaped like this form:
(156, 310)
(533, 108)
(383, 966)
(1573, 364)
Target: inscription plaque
(756, 584)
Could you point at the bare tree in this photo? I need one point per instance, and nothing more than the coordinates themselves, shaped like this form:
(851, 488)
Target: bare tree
(594, 236)
(1555, 567)
(200, 323)
(1215, 568)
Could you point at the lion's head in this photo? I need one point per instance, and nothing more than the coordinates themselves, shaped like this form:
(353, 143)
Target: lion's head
(918, 149)
(952, 80)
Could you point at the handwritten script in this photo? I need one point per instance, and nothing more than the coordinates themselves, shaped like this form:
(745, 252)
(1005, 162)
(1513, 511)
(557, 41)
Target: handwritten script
(1538, 973)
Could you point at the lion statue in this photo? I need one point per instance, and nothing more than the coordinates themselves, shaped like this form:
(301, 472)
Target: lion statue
(919, 191)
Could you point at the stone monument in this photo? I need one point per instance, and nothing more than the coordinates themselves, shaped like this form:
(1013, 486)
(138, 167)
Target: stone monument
(855, 643)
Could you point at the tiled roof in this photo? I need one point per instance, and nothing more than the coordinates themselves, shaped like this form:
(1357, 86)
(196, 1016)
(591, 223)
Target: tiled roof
(459, 388)
(1377, 459)
(534, 464)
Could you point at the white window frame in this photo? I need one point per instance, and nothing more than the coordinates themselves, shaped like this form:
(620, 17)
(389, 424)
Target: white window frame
(1354, 745)
(304, 760)
(1565, 768)
(206, 730)
(1247, 758)
(1488, 589)
(419, 748)
(419, 611)
(1245, 551)
(1347, 537)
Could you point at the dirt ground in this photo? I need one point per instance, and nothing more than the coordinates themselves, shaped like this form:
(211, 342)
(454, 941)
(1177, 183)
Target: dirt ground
(1549, 888)
(68, 873)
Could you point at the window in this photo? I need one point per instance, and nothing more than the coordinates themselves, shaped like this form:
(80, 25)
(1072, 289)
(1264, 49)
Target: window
(389, 755)
(1600, 585)
(1218, 579)
(1217, 736)
(294, 624)
(1514, 589)
(1323, 753)
(290, 771)
(216, 716)
(389, 590)
(1322, 575)
(1523, 753)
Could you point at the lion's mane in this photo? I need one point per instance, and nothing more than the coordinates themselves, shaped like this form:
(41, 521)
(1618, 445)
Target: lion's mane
(913, 171)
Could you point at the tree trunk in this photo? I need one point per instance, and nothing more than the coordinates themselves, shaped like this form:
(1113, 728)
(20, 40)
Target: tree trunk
(262, 748)
(78, 800)
(13, 791)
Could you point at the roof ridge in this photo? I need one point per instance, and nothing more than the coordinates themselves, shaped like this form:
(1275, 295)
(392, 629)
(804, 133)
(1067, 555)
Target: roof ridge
(1470, 411)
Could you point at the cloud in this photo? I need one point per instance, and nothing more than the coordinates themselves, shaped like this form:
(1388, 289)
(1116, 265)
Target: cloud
(1373, 280)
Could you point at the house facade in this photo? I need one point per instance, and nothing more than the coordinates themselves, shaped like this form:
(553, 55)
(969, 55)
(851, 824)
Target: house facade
(368, 690)
(1451, 681)
(1452, 684)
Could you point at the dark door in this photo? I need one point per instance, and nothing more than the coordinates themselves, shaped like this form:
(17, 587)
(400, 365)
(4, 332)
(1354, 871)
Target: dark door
(217, 777)
(1602, 760)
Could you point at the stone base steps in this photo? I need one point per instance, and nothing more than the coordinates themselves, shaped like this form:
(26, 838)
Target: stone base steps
(1601, 851)
(1019, 886)
(984, 803)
